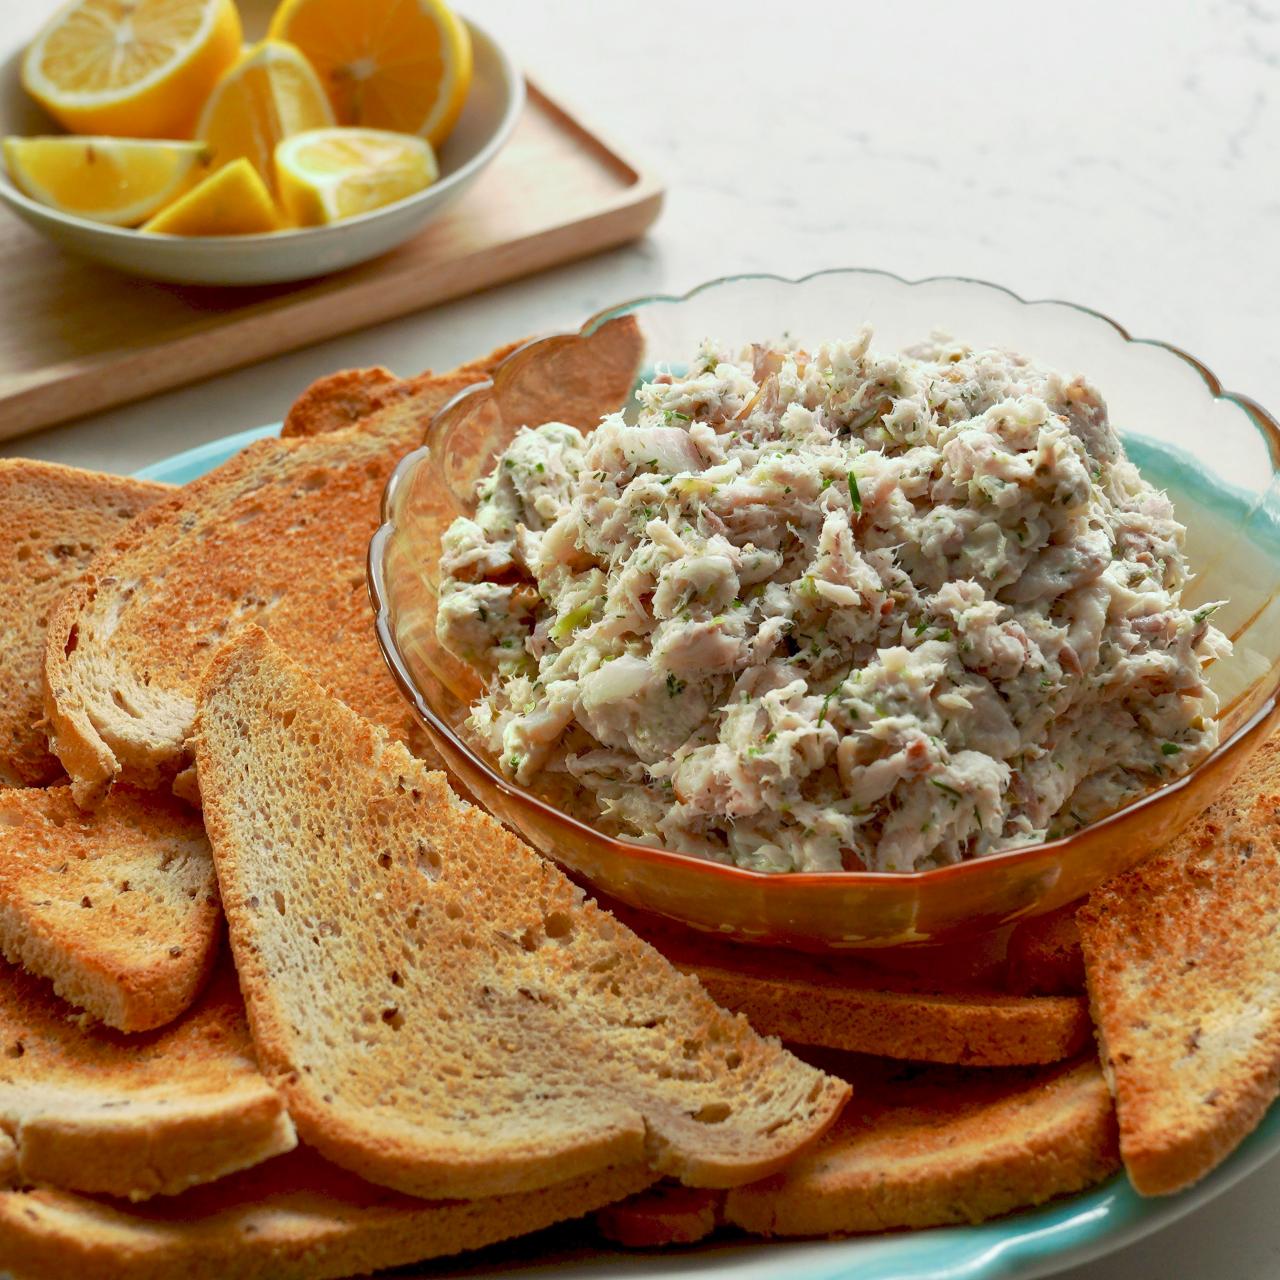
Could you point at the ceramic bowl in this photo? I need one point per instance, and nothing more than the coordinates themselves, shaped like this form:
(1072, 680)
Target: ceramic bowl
(1218, 454)
(493, 106)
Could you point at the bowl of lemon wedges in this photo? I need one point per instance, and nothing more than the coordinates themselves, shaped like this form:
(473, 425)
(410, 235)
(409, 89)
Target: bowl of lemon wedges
(235, 143)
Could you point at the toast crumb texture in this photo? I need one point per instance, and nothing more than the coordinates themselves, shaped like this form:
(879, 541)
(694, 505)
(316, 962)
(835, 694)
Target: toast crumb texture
(118, 908)
(1183, 962)
(380, 923)
(90, 1109)
(293, 1218)
(53, 520)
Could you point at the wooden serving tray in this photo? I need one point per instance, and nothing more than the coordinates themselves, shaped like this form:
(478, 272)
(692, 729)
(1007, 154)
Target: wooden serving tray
(76, 338)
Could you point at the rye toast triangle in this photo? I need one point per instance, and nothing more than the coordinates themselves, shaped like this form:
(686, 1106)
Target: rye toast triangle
(442, 1010)
(135, 1116)
(1182, 956)
(117, 907)
(53, 520)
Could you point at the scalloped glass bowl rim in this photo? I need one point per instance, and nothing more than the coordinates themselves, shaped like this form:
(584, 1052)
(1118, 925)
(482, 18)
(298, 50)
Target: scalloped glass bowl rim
(1265, 422)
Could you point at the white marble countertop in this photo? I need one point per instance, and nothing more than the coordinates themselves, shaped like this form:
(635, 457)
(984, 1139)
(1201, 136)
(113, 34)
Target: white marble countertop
(1118, 153)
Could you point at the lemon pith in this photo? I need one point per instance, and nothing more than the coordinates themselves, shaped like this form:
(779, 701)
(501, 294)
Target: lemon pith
(138, 70)
(271, 93)
(121, 181)
(231, 201)
(403, 65)
(325, 175)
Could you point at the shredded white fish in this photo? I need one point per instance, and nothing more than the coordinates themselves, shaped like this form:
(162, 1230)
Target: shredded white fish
(841, 609)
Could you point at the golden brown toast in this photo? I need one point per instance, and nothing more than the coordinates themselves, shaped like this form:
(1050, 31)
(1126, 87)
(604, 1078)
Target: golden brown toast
(294, 1218)
(1044, 954)
(118, 908)
(277, 535)
(941, 1004)
(53, 520)
(1183, 963)
(134, 1116)
(381, 924)
(921, 1146)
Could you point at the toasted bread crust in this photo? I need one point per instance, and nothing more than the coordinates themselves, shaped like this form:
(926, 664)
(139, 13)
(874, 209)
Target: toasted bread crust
(293, 1218)
(561, 1041)
(1183, 962)
(132, 1116)
(964, 1028)
(929, 1146)
(117, 908)
(349, 396)
(1044, 954)
(937, 1004)
(53, 520)
(277, 535)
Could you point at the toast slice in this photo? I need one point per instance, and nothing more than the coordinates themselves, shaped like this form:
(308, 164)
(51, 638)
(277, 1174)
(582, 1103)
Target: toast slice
(134, 1116)
(118, 908)
(946, 1007)
(924, 1147)
(442, 1010)
(1182, 956)
(1044, 954)
(348, 396)
(293, 1218)
(53, 519)
(277, 535)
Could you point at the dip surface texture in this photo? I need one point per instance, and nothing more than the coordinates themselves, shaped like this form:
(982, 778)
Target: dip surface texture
(847, 609)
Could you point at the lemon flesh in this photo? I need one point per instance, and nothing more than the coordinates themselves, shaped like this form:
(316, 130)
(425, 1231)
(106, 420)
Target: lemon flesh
(270, 94)
(121, 181)
(140, 69)
(326, 175)
(403, 65)
(233, 201)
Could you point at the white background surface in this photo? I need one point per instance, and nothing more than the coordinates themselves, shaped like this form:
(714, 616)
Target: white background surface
(1120, 153)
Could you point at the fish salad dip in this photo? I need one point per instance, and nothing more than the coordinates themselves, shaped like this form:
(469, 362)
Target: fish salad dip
(847, 609)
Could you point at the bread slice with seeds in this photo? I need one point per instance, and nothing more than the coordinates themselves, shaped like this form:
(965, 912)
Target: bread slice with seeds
(923, 1146)
(294, 1218)
(135, 1116)
(278, 535)
(442, 1010)
(946, 1008)
(118, 908)
(1182, 957)
(53, 520)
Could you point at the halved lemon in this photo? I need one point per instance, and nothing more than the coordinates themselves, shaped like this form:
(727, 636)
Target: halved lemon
(234, 201)
(122, 181)
(403, 65)
(327, 174)
(133, 68)
(271, 93)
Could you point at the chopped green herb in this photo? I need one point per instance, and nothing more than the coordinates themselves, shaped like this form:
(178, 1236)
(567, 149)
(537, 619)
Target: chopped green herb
(826, 483)
(826, 702)
(773, 737)
(922, 626)
(854, 496)
(1201, 614)
(1170, 749)
(951, 791)
(675, 687)
(540, 467)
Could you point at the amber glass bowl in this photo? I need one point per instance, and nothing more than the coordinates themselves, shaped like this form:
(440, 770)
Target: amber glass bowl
(1218, 454)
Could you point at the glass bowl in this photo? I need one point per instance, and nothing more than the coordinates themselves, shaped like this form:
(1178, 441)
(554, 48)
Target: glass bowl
(1218, 455)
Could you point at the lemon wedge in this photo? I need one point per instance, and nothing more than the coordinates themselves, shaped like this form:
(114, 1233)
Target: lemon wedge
(234, 201)
(133, 68)
(271, 93)
(403, 65)
(327, 174)
(122, 181)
